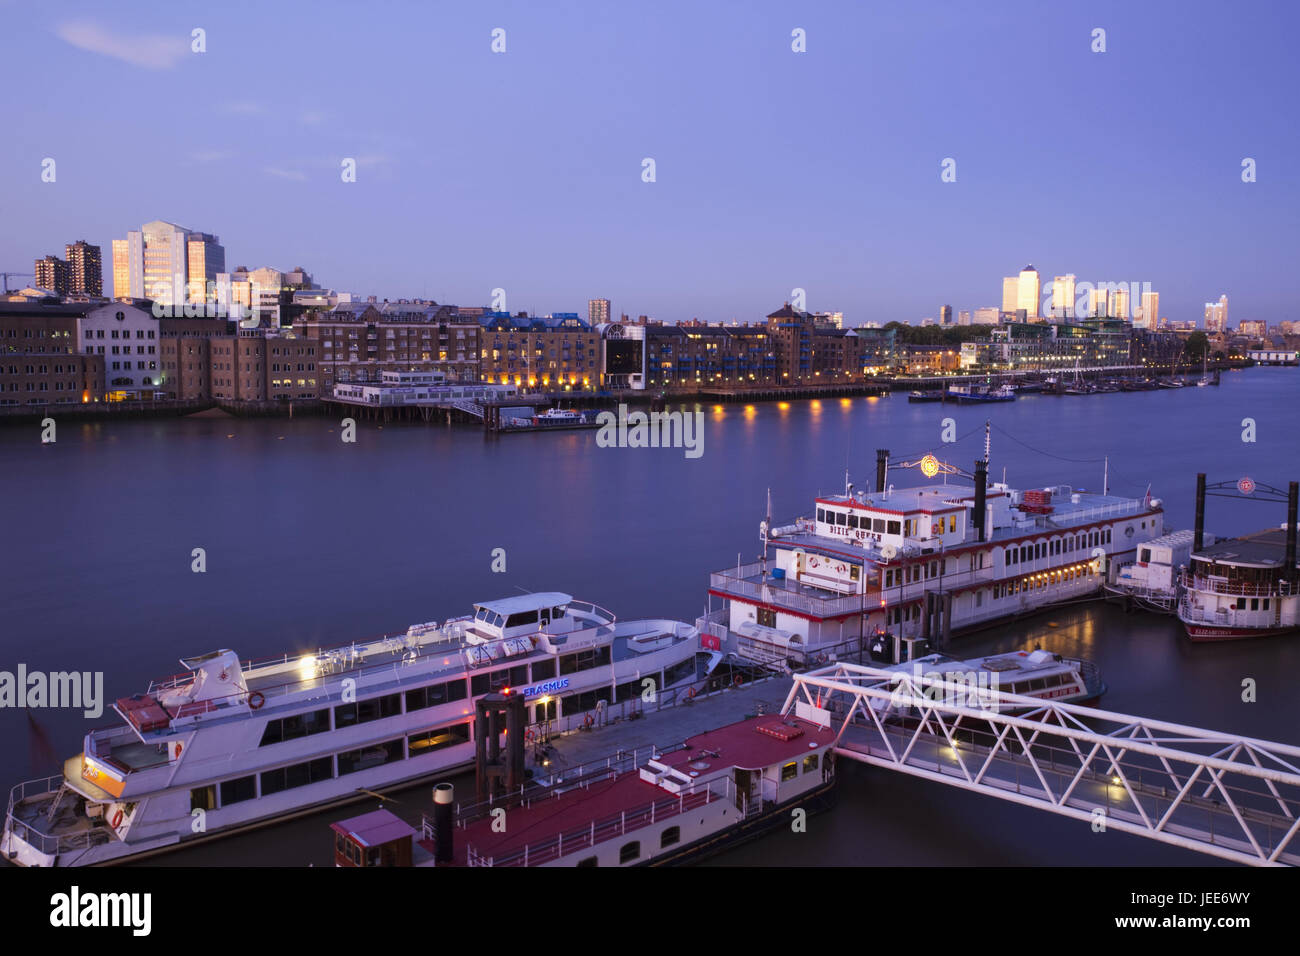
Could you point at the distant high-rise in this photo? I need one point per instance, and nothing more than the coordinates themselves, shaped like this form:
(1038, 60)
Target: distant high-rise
(1118, 303)
(167, 263)
(963, 317)
(1150, 311)
(85, 268)
(597, 311)
(945, 315)
(51, 273)
(1063, 297)
(1216, 315)
(986, 316)
(1099, 303)
(1027, 292)
(1010, 294)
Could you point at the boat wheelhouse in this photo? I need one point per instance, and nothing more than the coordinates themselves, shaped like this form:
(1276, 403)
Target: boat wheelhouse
(229, 744)
(1242, 587)
(911, 566)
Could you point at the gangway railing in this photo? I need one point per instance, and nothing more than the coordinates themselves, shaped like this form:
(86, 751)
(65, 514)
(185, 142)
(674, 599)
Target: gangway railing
(1226, 795)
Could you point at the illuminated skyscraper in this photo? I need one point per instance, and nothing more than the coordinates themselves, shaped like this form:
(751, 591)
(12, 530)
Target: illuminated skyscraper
(1010, 294)
(1063, 297)
(597, 311)
(1216, 315)
(85, 268)
(167, 263)
(1119, 303)
(1150, 311)
(1027, 292)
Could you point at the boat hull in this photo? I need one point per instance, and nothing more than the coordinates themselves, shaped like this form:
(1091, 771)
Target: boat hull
(1208, 632)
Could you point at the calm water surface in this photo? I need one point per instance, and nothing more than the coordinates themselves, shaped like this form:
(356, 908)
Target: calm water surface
(312, 542)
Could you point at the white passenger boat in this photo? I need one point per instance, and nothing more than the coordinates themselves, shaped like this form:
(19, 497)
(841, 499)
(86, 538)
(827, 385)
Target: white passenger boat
(1151, 580)
(918, 564)
(229, 744)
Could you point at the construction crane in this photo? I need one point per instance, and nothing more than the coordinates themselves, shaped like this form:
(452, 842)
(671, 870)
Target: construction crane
(8, 274)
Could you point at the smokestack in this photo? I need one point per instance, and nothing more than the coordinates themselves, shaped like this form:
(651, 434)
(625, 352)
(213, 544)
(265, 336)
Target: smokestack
(443, 830)
(1199, 534)
(882, 466)
(1292, 494)
(981, 479)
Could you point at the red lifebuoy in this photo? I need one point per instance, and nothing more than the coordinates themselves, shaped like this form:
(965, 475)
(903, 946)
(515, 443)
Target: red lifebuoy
(587, 721)
(255, 700)
(738, 681)
(691, 693)
(936, 528)
(117, 819)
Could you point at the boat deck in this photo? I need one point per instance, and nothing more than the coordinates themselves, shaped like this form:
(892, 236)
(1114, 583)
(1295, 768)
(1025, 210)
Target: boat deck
(1261, 548)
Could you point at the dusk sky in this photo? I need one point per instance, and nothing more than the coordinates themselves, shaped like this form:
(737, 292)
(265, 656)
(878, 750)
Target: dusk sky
(774, 169)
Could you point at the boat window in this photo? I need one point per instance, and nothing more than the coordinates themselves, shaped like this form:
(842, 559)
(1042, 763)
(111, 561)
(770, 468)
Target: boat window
(893, 527)
(521, 618)
(821, 515)
(203, 798)
(584, 660)
(853, 521)
(810, 763)
(670, 836)
(432, 740)
(629, 852)
(363, 711)
(299, 725)
(546, 710)
(351, 761)
(1038, 684)
(841, 517)
(297, 775)
(790, 771)
(481, 615)
(543, 670)
(238, 790)
(588, 861)
(952, 523)
(878, 525)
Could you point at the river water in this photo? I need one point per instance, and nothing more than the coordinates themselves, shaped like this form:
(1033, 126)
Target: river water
(311, 541)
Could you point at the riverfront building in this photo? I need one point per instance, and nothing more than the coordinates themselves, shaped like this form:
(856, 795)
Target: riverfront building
(39, 360)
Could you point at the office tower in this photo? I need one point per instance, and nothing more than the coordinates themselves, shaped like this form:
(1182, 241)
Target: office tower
(945, 315)
(1150, 310)
(597, 311)
(1098, 302)
(121, 269)
(963, 317)
(1063, 297)
(986, 316)
(1027, 292)
(1118, 303)
(1216, 315)
(51, 273)
(85, 268)
(1010, 294)
(167, 263)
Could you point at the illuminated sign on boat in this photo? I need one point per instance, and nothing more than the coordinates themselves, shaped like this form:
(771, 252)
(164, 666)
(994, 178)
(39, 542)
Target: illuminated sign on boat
(1246, 485)
(548, 687)
(929, 466)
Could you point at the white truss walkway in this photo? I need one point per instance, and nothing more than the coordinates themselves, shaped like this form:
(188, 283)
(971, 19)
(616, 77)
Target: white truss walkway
(1233, 797)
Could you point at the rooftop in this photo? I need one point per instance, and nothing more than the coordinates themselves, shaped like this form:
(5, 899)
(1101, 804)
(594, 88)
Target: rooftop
(1266, 548)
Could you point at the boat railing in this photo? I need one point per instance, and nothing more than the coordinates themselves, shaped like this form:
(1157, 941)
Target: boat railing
(1279, 588)
(46, 843)
(774, 591)
(1092, 514)
(596, 831)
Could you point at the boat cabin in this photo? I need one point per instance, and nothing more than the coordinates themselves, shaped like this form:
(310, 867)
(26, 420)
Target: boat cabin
(378, 838)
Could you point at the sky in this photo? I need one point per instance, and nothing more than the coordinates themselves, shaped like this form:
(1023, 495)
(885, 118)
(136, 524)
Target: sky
(774, 170)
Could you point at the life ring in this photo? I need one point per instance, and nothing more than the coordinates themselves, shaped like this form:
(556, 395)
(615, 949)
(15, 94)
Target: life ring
(587, 721)
(529, 735)
(256, 700)
(936, 528)
(737, 681)
(117, 819)
(690, 694)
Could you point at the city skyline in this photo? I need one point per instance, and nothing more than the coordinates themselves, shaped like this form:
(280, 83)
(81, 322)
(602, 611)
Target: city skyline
(761, 187)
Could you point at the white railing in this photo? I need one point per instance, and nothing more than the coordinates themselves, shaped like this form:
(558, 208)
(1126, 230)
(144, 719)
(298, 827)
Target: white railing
(774, 592)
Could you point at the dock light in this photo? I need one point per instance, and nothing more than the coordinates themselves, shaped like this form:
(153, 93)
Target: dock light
(307, 668)
(1115, 781)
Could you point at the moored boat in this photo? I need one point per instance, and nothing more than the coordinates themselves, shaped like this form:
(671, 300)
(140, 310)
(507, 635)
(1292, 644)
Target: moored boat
(232, 744)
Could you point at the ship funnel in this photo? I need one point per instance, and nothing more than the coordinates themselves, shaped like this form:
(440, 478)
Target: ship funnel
(882, 467)
(1292, 493)
(1199, 534)
(981, 480)
(443, 829)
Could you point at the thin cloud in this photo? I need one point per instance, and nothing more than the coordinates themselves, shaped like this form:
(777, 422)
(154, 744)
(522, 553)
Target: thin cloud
(151, 51)
(285, 173)
(211, 155)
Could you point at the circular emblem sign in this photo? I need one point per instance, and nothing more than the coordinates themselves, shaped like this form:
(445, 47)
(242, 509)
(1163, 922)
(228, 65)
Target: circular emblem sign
(1245, 485)
(929, 466)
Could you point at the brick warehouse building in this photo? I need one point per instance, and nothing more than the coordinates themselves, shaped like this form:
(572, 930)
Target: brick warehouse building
(356, 341)
(558, 353)
(39, 360)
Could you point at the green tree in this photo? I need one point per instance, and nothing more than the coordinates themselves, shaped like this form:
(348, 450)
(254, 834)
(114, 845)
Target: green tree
(1198, 343)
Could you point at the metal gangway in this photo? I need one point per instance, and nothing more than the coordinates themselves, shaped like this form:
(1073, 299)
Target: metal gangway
(1230, 796)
